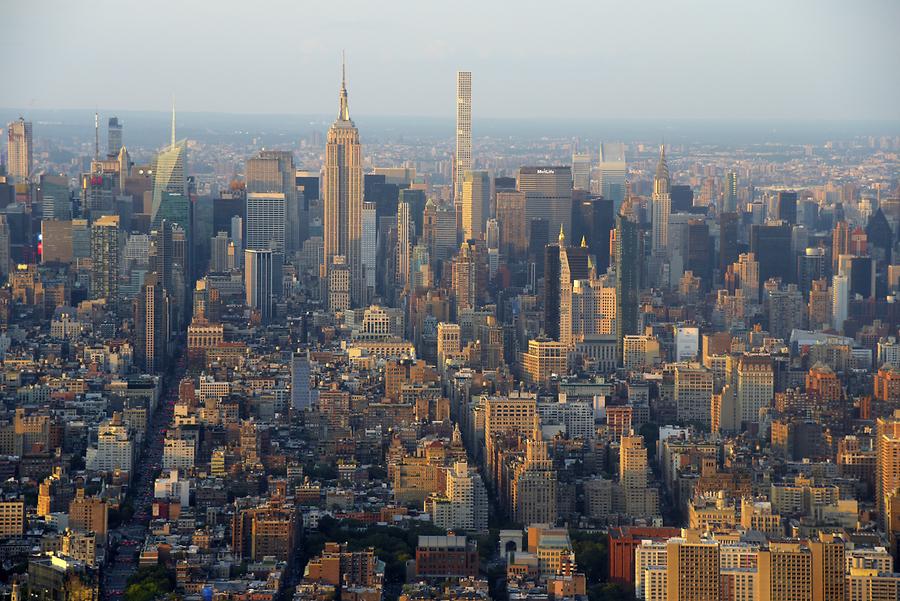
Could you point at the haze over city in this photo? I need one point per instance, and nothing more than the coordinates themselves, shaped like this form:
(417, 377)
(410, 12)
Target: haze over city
(419, 301)
(652, 59)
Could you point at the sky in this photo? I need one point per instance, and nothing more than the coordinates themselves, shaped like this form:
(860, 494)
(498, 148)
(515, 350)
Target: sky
(690, 59)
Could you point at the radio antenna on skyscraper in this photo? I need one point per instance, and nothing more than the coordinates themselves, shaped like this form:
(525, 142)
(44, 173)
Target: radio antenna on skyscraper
(96, 136)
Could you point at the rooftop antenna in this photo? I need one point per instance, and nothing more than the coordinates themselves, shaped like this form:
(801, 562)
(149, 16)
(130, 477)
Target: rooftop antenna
(96, 136)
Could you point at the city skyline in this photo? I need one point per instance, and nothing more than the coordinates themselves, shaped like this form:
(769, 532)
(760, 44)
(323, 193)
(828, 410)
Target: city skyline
(765, 68)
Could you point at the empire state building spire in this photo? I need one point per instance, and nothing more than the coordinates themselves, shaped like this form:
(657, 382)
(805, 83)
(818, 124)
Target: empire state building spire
(344, 114)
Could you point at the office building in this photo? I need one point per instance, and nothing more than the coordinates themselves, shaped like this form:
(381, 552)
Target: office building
(755, 386)
(662, 204)
(692, 570)
(628, 278)
(533, 487)
(272, 172)
(106, 244)
(771, 245)
(343, 195)
(611, 172)
(151, 323)
(266, 220)
(169, 181)
(476, 204)
(369, 250)
(548, 196)
(113, 137)
(262, 281)
(543, 360)
(840, 301)
(463, 129)
(729, 199)
(19, 150)
(592, 221)
(55, 197)
(581, 171)
(786, 207)
(512, 221)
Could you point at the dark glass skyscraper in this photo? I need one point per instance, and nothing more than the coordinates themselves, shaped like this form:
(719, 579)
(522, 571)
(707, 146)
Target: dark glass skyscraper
(772, 246)
(628, 278)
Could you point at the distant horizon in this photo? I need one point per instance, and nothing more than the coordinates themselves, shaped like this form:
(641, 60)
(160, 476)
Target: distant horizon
(392, 116)
(819, 59)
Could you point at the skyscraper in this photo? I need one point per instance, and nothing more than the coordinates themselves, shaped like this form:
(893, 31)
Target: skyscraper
(169, 175)
(476, 203)
(840, 301)
(404, 244)
(628, 278)
(343, 192)
(272, 172)
(771, 243)
(581, 171)
(266, 221)
(548, 196)
(611, 172)
(369, 245)
(151, 325)
(106, 242)
(662, 203)
(729, 200)
(786, 207)
(463, 129)
(113, 137)
(19, 149)
(262, 272)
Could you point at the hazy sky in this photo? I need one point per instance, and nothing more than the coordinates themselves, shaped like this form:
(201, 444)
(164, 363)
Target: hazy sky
(793, 59)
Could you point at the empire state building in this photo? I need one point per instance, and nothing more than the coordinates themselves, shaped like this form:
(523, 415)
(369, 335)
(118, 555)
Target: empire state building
(343, 194)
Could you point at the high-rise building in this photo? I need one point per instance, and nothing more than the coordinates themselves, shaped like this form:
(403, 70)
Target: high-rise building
(467, 496)
(476, 203)
(754, 385)
(786, 207)
(55, 197)
(592, 221)
(512, 222)
(218, 256)
(639, 499)
(693, 391)
(465, 277)
(343, 196)
(662, 203)
(19, 149)
(262, 273)
(729, 200)
(840, 301)
(106, 244)
(548, 196)
(533, 493)
(151, 325)
(266, 218)
(628, 278)
(272, 172)
(840, 243)
(463, 129)
(581, 171)
(811, 266)
(887, 468)
(611, 172)
(113, 136)
(448, 342)
(300, 390)
(692, 570)
(169, 171)
(544, 360)
(771, 245)
(405, 231)
(370, 245)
